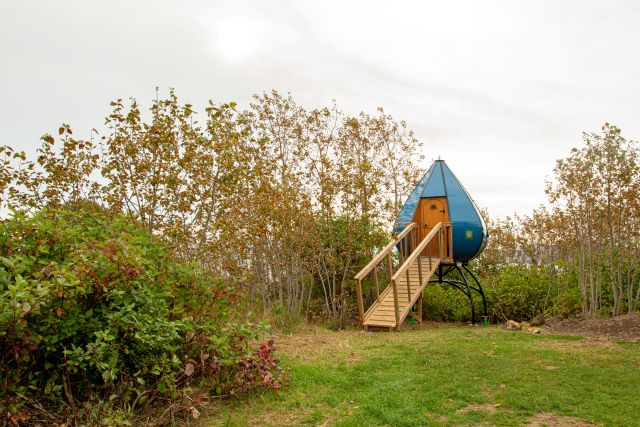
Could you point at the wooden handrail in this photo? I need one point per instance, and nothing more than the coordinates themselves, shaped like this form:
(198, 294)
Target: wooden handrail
(415, 255)
(416, 252)
(409, 253)
(380, 257)
(383, 253)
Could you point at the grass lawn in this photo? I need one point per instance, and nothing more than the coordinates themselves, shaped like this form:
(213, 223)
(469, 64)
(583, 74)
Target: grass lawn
(445, 375)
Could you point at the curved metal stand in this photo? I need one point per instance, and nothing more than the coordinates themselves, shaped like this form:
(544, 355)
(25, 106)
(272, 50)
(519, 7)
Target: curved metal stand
(463, 286)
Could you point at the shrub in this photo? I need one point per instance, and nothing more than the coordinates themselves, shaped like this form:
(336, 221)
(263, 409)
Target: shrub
(514, 292)
(447, 304)
(523, 292)
(96, 313)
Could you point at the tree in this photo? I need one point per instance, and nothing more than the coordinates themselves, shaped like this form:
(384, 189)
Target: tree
(597, 189)
(284, 201)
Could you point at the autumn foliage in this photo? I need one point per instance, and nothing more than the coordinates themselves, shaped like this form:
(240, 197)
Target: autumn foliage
(283, 201)
(132, 259)
(579, 254)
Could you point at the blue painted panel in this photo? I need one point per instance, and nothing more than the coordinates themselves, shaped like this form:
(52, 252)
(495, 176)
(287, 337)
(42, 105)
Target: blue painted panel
(469, 231)
(410, 206)
(435, 184)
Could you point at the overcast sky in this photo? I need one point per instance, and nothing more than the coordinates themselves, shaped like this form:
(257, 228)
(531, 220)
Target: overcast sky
(498, 89)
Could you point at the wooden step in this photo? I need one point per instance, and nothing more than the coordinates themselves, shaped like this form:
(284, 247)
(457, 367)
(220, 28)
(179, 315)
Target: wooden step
(383, 313)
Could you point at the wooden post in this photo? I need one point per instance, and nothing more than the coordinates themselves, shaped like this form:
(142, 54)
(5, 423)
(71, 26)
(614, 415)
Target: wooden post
(412, 241)
(394, 287)
(420, 307)
(420, 270)
(408, 285)
(390, 264)
(360, 302)
(375, 281)
(415, 238)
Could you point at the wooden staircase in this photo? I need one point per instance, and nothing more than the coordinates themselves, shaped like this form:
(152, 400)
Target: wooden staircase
(416, 264)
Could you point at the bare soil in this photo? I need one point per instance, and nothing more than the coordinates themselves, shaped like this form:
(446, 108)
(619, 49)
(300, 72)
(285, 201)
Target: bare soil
(490, 408)
(551, 420)
(626, 328)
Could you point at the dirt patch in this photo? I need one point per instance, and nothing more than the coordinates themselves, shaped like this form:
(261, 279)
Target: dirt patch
(490, 408)
(626, 328)
(586, 345)
(314, 343)
(257, 416)
(282, 418)
(434, 416)
(543, 420)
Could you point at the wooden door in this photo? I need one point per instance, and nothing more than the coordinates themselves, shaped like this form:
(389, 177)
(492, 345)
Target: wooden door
(430, 213)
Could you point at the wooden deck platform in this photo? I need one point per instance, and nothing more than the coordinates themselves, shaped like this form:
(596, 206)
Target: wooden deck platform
(416, 266)
(382, 314)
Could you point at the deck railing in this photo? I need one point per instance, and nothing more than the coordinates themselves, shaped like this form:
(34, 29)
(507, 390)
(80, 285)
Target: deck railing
(406, 240)
(441, 233)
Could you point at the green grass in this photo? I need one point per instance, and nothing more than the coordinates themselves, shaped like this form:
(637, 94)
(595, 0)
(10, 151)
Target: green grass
(444, 376)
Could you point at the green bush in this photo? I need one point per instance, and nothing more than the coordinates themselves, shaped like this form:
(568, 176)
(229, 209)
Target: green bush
(446, 304)
(521, 293)
(94, 309)
(513, 292)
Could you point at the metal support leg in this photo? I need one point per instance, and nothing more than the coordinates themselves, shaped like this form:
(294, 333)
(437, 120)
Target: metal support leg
(479, 290)
(473, 304)
(463, 286)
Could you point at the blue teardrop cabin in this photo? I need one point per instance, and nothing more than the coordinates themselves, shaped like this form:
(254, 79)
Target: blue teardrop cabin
(440, 197)
(438, 231)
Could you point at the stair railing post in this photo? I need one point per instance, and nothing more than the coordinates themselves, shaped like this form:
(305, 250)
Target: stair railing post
(408, 284)
(394, 288)
(431, 254)
(446, 239)
(411, 242)
(450, 239)
(375, 281)
(360, 302)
